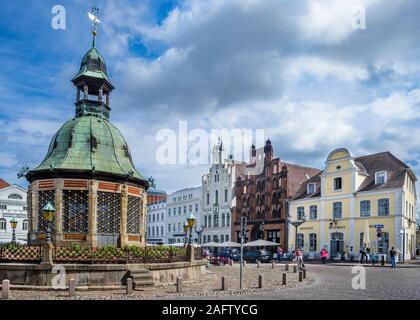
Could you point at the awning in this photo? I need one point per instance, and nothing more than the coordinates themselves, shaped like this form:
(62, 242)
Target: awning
(212, 244)
(261, 243)
(230, 244)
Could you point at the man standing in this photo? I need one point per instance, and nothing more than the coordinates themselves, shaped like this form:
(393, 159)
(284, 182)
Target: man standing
(392, 254)
(279, 253)
(363, 254)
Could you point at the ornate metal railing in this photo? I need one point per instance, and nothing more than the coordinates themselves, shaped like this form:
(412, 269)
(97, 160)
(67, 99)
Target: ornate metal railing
(112, 255)
(13, 253)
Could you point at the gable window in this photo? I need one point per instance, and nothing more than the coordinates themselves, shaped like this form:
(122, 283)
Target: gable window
(337, 210)
(15, 196)
(313, 212)
(338, 183)
(300, 213)
(310, 188)
(365, 208)
(380, 177)
(383, 207)
(25, 225)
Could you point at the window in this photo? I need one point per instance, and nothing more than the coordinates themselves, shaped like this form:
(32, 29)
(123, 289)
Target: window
(153, 218)
(15, 196)
(222, 238)
(300, 239)
(161, 230)
(179, 211)
(169, 227)
(215, 239)
(209, 221)
(313, 212)
(169, 212)
(380, 177)
(226, 237)
(338, 183)
(179, 226)
(226, 195)
(310, 188)
(3, 207)
(362, 235)
(185, 209)
(312, 242)
(190, 208)
(228, 220)
(223, 219)
(3, 224)
(337, 210)
(157, 217)
(208, 198)
(300, 213)
(216, 197)
(25, 225)
(196, 208)
(365, 208)
(216, 221)
(383, 207)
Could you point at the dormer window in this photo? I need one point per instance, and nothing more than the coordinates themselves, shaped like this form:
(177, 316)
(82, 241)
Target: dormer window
(310, 188)
(380, 177)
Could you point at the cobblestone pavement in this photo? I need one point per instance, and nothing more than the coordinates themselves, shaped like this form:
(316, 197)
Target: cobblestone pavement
(211, 286)
(335, 283)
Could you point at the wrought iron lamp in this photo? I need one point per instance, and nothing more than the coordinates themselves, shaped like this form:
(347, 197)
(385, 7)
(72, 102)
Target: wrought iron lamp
(191, 220)
(48, 210)
(13, 224)
(296, 224)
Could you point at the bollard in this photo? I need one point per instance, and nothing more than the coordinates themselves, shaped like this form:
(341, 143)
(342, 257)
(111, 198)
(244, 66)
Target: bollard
(244, 263)
(72, 288)
(304, 273)
(294, 269)
(258, 264)
(179, 285)
(286, 268)
(260, 281)
(5, 290)
(300, 276)
(129, 286)
(224, 283)
(284, 279)
(273, 264)
(382, 260)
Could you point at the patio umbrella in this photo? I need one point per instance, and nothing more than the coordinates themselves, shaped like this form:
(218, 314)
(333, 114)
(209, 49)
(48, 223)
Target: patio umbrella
(230, 244)
(366, 235)
(212, 244)
(261, 243)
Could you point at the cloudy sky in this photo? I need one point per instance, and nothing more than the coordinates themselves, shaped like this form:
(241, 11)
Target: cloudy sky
(297, 69)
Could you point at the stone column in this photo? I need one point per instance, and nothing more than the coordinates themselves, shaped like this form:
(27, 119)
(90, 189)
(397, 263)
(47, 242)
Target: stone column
(58, 218)
(92, 213)
(123, 216)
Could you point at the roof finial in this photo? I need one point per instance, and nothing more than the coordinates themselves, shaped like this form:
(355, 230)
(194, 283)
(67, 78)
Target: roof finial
(95, 23)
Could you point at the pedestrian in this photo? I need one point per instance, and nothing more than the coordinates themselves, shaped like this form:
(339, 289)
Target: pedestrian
(279, 253)
(392, 254)
(324, 255)
(363, 254)
(299, 258)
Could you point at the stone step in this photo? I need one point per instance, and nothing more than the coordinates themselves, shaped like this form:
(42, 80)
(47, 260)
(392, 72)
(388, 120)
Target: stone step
(142, 278)
(137, 277)
(139, 284)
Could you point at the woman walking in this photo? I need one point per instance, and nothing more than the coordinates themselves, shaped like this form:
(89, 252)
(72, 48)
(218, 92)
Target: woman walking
(324, 255)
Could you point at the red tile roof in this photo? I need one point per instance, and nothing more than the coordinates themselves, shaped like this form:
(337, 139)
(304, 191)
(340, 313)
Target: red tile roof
(3, 184)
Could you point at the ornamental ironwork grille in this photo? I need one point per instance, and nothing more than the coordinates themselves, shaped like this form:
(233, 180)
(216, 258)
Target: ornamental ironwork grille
(75, 211)
(43, 198)
(108, 214)
(134, 215)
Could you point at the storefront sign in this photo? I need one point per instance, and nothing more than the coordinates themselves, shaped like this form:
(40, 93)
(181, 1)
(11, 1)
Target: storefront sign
(337, 227)
(306, 228)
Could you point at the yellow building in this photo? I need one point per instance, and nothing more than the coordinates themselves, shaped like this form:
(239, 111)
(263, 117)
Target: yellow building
(351, 195)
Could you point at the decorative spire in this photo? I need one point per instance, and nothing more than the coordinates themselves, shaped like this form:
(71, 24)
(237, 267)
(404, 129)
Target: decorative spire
(93, 17)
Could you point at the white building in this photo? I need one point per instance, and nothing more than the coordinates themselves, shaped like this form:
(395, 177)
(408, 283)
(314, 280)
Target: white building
(156, 225)
(219, 197)
(179, 206)
(13, 207)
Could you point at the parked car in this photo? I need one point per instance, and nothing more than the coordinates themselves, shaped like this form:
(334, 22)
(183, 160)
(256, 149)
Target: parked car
(260, 255)
(232, 254)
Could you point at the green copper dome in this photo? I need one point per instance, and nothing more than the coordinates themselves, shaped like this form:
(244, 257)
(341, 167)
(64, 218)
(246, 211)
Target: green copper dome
(92, 145)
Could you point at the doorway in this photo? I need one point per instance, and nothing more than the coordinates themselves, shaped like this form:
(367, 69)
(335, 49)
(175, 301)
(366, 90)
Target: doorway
(337, 243)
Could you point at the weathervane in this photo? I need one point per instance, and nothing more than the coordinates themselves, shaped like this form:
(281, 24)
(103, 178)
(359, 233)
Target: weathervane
(93, 17)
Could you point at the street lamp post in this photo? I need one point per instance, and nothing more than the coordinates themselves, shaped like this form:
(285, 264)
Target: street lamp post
(199, 232)
(296, 224)
(191, 220)
(13, 224)
(186, 227)
(48, 211)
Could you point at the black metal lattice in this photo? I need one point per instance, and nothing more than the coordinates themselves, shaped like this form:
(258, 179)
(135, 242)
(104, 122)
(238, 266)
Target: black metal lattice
(108, 214)
(29, 209)
(75, 211)
(43, 198)
(134, 210)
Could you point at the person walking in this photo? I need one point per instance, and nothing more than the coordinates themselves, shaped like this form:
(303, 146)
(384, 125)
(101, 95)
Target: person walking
(392, 254)
(299, 258)
(363, 254)
(324, 255)
(279, 253)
